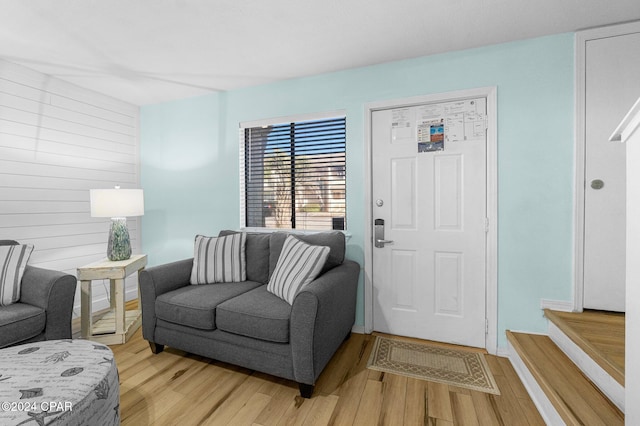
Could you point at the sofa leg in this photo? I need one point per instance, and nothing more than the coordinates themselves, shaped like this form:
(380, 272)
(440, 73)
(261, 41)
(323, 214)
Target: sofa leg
(155, 347)
(347, 337)
(306, 390)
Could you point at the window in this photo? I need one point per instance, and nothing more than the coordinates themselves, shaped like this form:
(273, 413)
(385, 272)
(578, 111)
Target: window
(294, 174)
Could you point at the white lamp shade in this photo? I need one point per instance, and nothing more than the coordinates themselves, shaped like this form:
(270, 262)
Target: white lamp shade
(116, 202)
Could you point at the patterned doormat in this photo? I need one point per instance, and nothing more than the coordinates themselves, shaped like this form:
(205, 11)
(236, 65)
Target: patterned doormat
(433, 363)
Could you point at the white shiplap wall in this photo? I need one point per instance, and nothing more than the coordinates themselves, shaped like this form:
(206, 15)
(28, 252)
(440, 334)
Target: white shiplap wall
(57, 141)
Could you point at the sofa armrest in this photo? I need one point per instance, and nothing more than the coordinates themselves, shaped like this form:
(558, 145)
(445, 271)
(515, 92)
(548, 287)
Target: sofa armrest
(158, 280)
(322, 316)
(54, 292)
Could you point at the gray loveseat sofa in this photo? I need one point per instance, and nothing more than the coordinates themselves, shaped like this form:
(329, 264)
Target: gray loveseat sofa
(244, 324)
(44, 310)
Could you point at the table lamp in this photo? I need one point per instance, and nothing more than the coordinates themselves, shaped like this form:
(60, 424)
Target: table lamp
(117, 204)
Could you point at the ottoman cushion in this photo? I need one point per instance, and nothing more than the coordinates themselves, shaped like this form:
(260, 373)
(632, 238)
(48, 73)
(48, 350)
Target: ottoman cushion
(59, 382)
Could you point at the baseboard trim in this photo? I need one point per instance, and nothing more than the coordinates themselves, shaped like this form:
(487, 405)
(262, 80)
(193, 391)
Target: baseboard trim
(556, 305)
(358, 329)
(503, 352)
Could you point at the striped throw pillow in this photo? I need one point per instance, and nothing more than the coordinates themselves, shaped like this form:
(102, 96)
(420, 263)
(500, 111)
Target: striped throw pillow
(299, 264)
(219, 259)
(13, 260)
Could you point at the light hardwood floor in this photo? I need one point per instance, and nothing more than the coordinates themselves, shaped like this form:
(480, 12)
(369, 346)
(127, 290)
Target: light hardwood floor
(178, 388)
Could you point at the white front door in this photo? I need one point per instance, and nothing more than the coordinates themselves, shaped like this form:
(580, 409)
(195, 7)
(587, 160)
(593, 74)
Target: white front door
(612, 86)
(430, 282)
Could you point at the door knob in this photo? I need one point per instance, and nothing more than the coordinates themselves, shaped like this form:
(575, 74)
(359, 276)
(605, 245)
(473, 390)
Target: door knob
(597, 184)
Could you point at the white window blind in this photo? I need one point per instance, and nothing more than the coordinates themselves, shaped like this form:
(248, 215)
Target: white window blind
(294, 175)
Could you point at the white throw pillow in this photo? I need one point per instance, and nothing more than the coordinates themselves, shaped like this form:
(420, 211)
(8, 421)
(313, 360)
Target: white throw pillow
(219, 259)
(13, 260)
(299, 264)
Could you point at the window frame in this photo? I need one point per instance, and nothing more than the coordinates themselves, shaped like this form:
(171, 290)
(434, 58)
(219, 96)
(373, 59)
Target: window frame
(271, 122)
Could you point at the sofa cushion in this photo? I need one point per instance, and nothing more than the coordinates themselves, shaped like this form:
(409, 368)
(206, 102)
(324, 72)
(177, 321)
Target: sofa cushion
(13, 260)
(298, 265)
(20, 322)
(195, 305)
(219, 259)
(332, 239)
(257, 314)
(257, 255)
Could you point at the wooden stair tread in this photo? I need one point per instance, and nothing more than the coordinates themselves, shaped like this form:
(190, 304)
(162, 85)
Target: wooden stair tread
(599, 334)
(577, 400)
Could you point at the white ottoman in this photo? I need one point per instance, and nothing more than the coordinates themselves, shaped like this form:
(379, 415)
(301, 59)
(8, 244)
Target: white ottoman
(59, 382)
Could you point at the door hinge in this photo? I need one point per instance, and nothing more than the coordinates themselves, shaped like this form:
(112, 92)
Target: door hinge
(486, 326)
(486, 225)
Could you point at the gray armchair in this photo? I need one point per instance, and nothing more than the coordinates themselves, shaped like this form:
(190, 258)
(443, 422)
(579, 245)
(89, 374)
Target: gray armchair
(44, 310)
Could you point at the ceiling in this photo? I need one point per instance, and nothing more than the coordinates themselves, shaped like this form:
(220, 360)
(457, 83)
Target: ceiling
(150, 51)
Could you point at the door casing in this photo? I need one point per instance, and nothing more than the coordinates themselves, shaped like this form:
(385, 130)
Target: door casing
(491, 279)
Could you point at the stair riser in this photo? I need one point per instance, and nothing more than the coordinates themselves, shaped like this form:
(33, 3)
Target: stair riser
(603, 380)
(539, 398)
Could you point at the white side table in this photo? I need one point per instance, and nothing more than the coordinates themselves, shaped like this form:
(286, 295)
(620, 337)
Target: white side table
(117, 326)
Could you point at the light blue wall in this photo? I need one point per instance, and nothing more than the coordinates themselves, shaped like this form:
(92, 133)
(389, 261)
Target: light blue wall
(186, 176)
(190, 160)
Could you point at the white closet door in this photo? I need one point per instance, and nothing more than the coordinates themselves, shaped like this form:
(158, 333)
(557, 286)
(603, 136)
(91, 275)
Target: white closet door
(612, 86)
